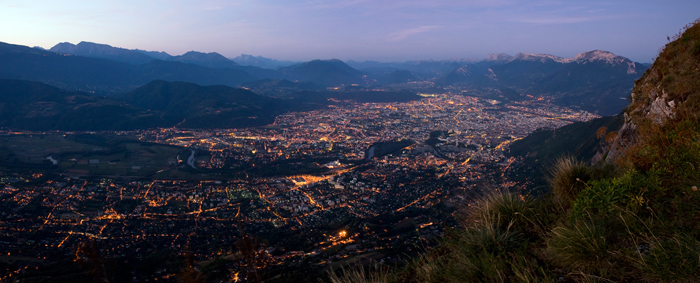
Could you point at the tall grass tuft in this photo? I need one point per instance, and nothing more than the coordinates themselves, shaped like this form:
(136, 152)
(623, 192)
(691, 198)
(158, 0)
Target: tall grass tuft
(583, 246)
(491, 235)
(360, 274)
(568, 179)
(486, 248)
(502, 209)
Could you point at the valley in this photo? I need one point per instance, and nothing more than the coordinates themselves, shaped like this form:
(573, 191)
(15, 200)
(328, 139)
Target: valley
(306, 185)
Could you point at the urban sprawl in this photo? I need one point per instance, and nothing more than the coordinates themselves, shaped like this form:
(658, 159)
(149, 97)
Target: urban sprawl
(348, 182)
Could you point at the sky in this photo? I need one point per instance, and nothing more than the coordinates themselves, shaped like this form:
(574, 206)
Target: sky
(379, 30)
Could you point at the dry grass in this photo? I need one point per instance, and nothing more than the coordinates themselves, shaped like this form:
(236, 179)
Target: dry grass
(582, 247)
(505, 208)
(569, 177)
(360, 274)
(672, 259)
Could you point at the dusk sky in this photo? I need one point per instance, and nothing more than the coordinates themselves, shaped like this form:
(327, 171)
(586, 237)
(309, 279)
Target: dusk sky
(353, 29)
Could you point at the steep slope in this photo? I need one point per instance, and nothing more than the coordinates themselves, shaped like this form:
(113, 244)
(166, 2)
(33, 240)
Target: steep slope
(669, 92)
(584, 141)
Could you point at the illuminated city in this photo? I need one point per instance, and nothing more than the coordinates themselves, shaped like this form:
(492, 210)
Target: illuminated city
(351, 181)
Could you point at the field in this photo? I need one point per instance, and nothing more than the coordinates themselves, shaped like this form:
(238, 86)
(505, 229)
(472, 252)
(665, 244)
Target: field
(94, 155)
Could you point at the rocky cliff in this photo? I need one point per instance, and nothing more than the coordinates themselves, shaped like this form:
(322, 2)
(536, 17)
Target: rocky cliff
(669, 92)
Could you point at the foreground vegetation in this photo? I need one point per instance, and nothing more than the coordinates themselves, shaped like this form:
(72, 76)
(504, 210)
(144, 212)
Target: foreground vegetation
(636, 219)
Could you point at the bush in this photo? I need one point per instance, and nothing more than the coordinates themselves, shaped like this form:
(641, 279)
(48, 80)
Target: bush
(605, 195)
(568, 179)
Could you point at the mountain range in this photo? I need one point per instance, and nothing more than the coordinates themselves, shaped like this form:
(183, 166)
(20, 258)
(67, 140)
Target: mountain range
(101, 75)
(261, 62)
(596, 81)
(95, 50)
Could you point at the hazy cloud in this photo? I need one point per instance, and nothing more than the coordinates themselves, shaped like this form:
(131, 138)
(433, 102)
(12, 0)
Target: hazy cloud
(409, 32)
(557, 20)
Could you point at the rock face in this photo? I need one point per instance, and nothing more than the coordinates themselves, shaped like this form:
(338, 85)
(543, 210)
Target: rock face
(626, 137)
(646, 106)
(671, 86)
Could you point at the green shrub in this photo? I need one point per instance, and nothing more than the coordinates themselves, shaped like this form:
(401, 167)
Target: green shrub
(605, 195)
(568, 179)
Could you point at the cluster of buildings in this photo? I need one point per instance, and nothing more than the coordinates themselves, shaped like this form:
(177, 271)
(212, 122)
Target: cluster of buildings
(326, 202)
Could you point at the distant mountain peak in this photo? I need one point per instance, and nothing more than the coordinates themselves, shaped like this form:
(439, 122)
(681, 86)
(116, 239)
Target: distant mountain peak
(540, 58)
(331, 72)
(599, 55)
(97, 50)
(210, 60)
(582, 58)
(503, 57)
(606, 57)
(262, 62)
(205, 56)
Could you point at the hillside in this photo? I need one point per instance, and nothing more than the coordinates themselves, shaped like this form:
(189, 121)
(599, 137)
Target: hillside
(323, 72)
(194, 106)
(633, 218)
(36, 106)
(584, 140)
(29, 105)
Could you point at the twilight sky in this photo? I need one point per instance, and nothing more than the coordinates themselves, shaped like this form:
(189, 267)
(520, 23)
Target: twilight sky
(379, 30)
